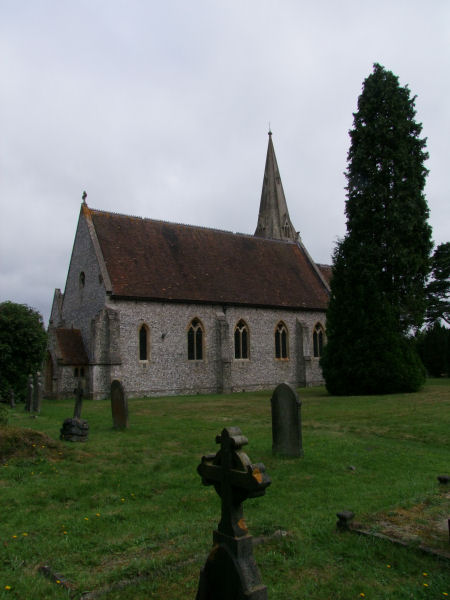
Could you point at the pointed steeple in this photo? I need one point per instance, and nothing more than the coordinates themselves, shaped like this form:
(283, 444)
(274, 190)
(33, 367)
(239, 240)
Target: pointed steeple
(273, 220)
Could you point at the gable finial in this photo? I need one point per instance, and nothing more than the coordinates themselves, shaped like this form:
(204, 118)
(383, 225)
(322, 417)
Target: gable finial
(270, 130)
(83, 197)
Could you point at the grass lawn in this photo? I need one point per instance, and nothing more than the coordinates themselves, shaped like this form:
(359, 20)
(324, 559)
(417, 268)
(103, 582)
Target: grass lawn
(125, 516)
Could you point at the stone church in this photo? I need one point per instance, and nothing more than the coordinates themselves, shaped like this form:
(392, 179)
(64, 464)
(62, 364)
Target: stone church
(177, 309)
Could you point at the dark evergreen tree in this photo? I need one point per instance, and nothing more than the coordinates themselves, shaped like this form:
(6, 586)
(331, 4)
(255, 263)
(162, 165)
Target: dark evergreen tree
(22, 346)
(380, 267)
(433, 344)
(438, 289)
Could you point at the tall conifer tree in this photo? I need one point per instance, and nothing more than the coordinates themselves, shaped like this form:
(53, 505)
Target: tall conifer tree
(381, 265)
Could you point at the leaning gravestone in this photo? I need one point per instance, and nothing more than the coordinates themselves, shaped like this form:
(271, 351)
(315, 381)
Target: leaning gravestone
(230, 571)
(286, 421)
(30, 394)
(119, 405)
(76, 429)
(37, 396)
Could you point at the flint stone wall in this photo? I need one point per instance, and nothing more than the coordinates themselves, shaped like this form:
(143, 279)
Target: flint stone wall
(168, 370)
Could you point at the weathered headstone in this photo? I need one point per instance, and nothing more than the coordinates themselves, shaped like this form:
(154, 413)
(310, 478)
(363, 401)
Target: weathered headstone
(37, 396)
(76, 429)
(286, 421)
(119, 405)
(30, 394)
(12, 402)
(230, 571)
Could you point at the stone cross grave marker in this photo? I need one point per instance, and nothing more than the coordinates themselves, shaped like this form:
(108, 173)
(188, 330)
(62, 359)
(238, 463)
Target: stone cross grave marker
(30, 394)
(119, 405)
(78, 400)
(286, 421)
(76, 429)
(37, 396)
(230, 571)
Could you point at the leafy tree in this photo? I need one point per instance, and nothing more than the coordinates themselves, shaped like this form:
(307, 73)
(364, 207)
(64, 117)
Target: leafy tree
(381, 265)
(22, 345)
(438, 289)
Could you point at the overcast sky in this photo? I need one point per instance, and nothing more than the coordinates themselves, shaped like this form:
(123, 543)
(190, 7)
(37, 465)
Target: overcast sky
(161, 109)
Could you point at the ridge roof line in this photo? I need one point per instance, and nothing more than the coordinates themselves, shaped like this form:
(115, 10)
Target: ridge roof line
(178, 224)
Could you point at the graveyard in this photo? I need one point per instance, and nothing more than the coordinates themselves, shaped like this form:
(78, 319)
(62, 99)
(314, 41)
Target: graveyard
(126, 514)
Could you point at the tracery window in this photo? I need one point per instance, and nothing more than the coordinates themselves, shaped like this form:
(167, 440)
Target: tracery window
(281, 341)
(318, 340)
(241, 340)
(195, 340)
(143, 342)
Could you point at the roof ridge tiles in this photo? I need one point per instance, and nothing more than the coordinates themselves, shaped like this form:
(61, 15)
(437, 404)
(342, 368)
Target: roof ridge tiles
(203, 227)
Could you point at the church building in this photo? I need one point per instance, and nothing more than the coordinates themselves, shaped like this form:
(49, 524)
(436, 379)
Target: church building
(178, 309)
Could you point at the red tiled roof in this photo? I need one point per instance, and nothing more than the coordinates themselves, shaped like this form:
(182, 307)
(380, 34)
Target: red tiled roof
(165, 261)
(71, 347)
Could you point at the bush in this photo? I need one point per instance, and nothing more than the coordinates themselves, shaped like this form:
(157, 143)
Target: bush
(4, 415)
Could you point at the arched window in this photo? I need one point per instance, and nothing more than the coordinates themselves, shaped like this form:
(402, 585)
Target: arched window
(195, 340)
(241, 340)
(281, 341)
(143, 342)
(318, 340)
(82, 279)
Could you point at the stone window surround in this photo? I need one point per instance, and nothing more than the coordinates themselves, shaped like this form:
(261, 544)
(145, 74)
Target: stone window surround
(195, 328)
(318, 340)
(147, 349)
(241, 328)
(279, 327)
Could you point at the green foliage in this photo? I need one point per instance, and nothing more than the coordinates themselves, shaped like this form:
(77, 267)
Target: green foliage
(3, 415)
(22, 345)
(438, 289)
(434, 349)
(380, 267)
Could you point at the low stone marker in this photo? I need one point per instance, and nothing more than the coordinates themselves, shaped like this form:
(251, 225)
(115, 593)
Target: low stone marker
(286, 421)
(37, 395)
(30, 394)
(119, 405)
(230, 571)
(75, 429)
(345, 517)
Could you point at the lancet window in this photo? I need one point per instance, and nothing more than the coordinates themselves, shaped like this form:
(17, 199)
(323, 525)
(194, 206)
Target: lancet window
(195, 339)
(241, 340)
(281, 341)
(318, 340)
(144, 338)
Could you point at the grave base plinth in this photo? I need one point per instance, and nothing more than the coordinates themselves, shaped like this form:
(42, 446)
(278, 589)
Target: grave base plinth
(230, 571)
(74, 430)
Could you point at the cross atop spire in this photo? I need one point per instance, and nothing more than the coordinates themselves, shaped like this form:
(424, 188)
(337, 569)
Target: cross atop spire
(273, 220)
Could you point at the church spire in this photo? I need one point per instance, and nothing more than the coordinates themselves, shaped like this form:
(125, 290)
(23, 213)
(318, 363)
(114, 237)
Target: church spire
(273, 220)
